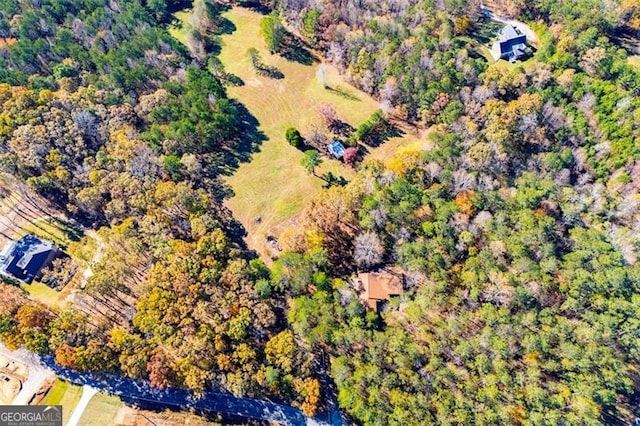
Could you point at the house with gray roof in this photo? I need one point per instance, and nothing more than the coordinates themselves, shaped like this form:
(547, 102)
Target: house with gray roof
(510, 45)
(25, 258)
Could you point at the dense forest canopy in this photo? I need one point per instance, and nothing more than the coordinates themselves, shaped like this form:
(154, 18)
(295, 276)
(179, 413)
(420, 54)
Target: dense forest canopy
(108, 116)
(517, 230)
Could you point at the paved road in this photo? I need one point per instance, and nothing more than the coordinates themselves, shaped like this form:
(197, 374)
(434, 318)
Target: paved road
(143, 395)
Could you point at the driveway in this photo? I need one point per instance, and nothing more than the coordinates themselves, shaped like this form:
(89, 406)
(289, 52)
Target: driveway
(524, 28)
(38, 373)
(87, 393)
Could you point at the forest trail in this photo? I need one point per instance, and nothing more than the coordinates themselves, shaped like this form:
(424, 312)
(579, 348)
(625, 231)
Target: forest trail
(97, 256)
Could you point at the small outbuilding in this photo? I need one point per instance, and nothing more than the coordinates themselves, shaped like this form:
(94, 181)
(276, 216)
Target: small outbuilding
(336, 149)
(24, 259)
(511, 44)
(379, 287)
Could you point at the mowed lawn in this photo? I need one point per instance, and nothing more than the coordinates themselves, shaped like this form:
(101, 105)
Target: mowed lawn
(50, 229)
(65, 394)
(273, 185)
(101, 410)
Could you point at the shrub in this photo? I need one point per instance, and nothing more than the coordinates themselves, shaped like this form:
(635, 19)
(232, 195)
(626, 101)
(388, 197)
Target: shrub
(294, 138)
(350, 155)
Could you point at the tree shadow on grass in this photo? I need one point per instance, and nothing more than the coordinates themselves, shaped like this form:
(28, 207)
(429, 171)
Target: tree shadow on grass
(212, 46)
(269, 71)
(343, 92)
(32, 211)
(341, 128)
(225, 26)
(222, 25)
(486, 31)
(256, 6)
(232, 79)
(261, 68)
(381, 135)
(295, 50)
(299, 54)
(249, 140)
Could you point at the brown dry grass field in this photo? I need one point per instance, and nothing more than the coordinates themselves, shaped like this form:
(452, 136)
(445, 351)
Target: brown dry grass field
(273, 185)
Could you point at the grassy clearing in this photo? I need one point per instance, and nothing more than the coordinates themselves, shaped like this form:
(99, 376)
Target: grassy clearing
(480, 48)
(65, 394)
(387, 151)
(634, 60)
(482, 38)
(506, 66)
(274, 186)
(44, 294)
(50, 229)
(101, 410)
(181, 26)
(485, 52)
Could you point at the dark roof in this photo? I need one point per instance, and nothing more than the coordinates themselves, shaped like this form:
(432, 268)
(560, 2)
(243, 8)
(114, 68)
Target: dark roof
(336, 148)
(25, 258)
(512, 43)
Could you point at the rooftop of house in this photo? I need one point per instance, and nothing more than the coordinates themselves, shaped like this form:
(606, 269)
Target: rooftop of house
(509, 32)
(379, 287)
(25, 258)
(336, 148)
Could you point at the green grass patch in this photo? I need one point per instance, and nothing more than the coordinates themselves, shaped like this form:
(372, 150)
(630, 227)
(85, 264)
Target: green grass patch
(180, 27)
(53, 230)
(634, 60)
(506, 66)
(273, 185)
(43, 293)
(101, 410)
(479, 48)
(65, 394)
(485, 52)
